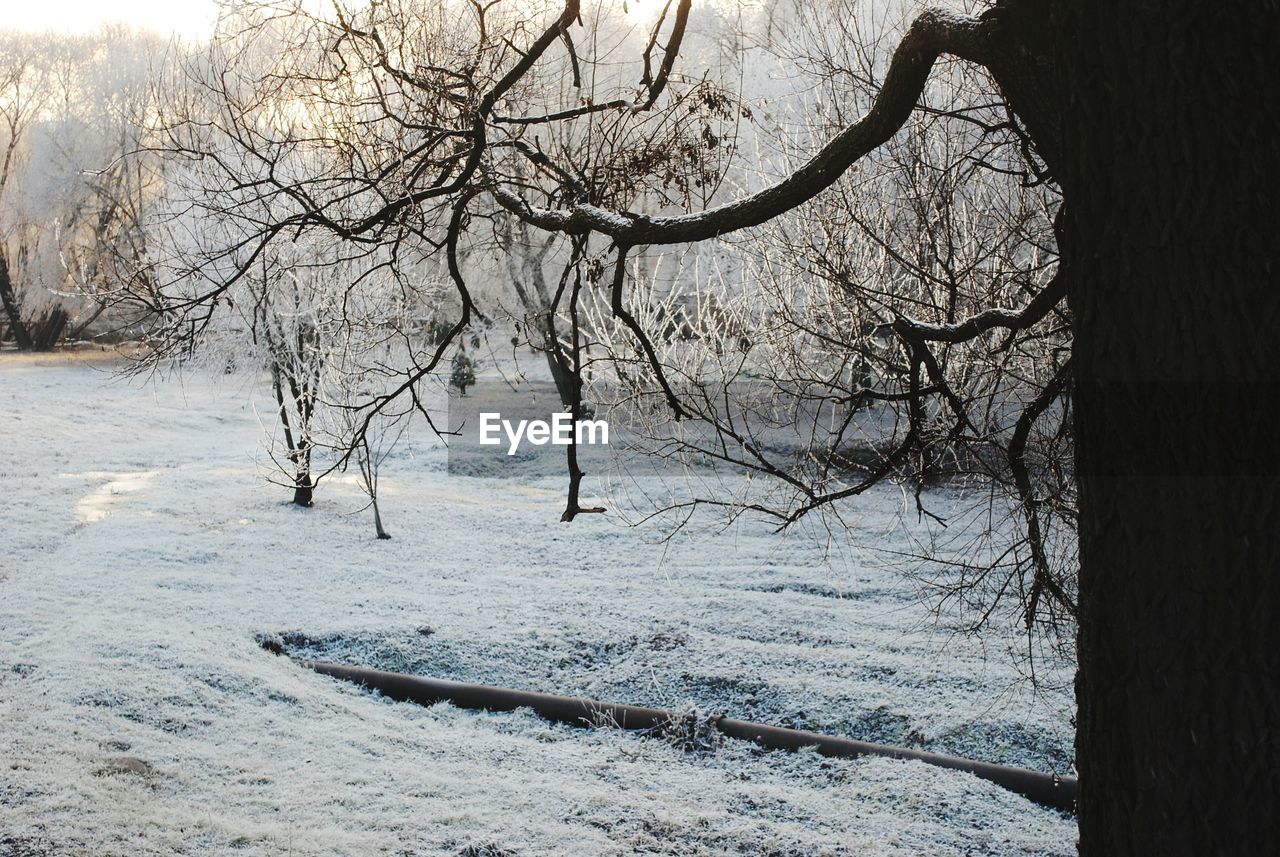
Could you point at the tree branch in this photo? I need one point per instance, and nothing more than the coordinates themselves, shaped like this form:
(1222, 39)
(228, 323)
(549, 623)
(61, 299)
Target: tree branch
(932, 34)
(1039, 306)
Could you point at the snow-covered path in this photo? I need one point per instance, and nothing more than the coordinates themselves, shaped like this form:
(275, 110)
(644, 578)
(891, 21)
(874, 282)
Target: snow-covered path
(141, 552)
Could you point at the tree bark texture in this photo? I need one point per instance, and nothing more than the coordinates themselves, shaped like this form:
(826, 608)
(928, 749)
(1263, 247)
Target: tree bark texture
(1168, 167)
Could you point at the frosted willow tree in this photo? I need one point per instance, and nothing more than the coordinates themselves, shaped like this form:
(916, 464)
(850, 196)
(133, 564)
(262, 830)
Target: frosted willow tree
(328, 331)
(1152, 122)
(76, 182)
(106, 249)
(329, 322)
(288, 319)
(325, 330)
(29, 86)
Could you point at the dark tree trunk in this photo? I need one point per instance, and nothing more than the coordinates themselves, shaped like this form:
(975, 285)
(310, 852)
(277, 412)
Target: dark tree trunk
(10, 300)
(299, 448)
(303, 490)
(1168, 167)
(377, 519)
(46, 335)
(557, 360)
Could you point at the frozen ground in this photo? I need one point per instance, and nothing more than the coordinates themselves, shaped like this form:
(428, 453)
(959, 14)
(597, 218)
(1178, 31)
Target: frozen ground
(141, 552)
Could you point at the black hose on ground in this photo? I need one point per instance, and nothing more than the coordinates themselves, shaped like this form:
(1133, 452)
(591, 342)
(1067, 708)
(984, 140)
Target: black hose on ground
(1045, 789)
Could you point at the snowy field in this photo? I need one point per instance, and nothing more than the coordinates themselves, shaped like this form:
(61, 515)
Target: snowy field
(142, 554)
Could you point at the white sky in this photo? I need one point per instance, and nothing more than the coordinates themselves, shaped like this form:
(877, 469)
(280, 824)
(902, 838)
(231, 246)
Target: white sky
(192, 18)
(186, 17)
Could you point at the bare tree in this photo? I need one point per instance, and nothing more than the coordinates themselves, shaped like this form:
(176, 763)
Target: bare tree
(284, 320)
(1163, 265)
(374, 444)
(76, 184)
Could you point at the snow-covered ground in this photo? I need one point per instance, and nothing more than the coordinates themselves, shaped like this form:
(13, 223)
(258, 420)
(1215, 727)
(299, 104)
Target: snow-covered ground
(142, 553)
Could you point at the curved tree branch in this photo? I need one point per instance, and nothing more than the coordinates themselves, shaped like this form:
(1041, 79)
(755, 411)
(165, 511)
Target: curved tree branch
(1042, 576)
(654, 86)
(1039, 306)
(934, 33)
(620, 312)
